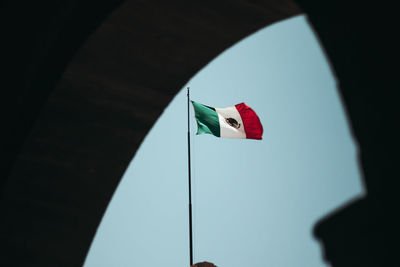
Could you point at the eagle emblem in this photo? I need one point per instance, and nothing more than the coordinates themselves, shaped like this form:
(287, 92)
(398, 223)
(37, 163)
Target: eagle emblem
(232, 122)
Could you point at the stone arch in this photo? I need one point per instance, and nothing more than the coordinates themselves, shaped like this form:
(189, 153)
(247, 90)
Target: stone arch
(88, 95)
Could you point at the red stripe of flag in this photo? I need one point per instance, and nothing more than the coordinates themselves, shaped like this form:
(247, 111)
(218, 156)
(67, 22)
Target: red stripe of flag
(252, 124)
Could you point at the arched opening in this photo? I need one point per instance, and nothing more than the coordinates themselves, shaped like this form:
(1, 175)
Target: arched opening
(78, 137)
(255, 202)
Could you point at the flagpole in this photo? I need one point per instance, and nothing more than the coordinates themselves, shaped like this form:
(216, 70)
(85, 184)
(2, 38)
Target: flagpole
(190, 184)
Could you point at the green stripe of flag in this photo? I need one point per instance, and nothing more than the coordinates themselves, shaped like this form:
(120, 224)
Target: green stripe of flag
(207, 119)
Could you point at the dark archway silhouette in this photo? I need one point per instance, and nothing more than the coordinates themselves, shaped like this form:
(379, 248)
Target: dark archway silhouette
(86, 80)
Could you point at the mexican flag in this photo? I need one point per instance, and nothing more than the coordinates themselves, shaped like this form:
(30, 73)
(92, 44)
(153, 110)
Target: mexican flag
(238, 121)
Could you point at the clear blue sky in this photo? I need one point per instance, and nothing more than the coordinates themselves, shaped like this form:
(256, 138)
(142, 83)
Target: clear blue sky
(254, 202)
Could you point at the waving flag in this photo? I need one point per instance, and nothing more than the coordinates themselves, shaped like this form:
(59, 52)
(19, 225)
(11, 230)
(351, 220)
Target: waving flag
(238, 121)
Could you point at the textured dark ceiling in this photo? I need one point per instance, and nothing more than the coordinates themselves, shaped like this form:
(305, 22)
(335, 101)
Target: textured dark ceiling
(84, 81)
